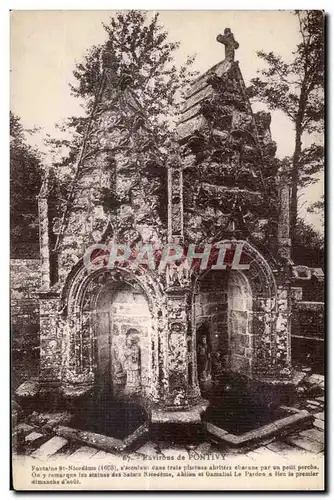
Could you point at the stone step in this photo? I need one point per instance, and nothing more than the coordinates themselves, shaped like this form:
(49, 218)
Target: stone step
(280, 447)
(23, 428)
(319, 424)
(33, 436)
(83, 452)
(320, 415)
(149, 448)
(314, 402)
(314, 434)
(305, 444)
(49, 448)
(91, 439)
(312, 408)
(316, 379)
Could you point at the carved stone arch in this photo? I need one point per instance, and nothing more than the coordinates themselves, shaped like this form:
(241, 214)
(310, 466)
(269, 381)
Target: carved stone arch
(81, 276)
(250, 328)
(82, 292)
(260, 274)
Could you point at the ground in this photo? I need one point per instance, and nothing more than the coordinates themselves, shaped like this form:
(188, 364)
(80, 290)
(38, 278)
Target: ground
(36, 438)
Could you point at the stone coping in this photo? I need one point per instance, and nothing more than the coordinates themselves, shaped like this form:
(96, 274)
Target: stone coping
(307, 305)
(175, 417)
(99, 441)
(283, 425)
(188, 416)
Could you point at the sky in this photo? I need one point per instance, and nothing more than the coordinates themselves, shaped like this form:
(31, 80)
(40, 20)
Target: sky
(45, 45)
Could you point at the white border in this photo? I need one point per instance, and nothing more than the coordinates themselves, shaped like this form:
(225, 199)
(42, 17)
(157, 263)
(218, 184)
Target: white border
(327, 5)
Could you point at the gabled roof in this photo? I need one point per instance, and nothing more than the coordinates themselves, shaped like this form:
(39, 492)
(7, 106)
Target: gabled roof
(192, 119)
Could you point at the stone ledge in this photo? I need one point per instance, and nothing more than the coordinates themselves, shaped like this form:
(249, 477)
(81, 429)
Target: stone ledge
(176, 417)
(191, 415)
(300, 419)
(307, 305)
(138, 433)
(99, 441)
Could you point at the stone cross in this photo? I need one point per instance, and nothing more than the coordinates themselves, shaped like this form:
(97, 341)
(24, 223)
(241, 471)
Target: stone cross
(231, 45)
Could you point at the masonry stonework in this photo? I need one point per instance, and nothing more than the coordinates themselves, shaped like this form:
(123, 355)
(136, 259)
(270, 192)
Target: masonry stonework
(164, 338)
(25, 316)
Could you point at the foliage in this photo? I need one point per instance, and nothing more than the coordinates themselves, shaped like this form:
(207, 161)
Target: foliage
(296, 88)
(309, 245)
(318, 207)
(25, 182)
(132, 80)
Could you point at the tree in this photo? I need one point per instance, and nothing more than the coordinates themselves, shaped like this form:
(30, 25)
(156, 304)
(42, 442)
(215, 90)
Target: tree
(25, 182)
(318, 207)
(132, 78)
(309, 245)
(296, 88)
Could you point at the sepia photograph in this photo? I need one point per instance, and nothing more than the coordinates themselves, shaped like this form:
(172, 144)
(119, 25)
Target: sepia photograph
(167, 249)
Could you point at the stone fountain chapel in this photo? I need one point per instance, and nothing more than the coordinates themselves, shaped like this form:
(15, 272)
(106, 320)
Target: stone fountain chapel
(164, 340)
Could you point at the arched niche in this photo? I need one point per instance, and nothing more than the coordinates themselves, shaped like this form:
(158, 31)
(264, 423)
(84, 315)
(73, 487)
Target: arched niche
(111, 317)
(237, 311)
(223, 309)
(123, 324)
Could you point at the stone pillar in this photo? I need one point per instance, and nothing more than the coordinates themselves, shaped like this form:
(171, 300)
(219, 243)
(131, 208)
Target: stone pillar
(178, 320)
(43, 215)
(77, 357)
(283, 331)
(175, 204)
(183, 392)
(50, 342)
(284, 306)
(264, 328)
(283, 231)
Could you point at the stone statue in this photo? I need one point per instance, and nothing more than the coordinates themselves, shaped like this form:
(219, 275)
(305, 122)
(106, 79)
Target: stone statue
(217, 364)
(231, 45)
(203, 359)
(118, 374)
(132, 362)
(177, 274)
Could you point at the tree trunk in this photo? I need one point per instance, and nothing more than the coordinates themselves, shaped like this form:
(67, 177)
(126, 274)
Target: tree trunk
(294, 183)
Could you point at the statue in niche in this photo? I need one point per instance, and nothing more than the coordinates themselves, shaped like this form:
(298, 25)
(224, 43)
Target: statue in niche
(178, 274)
(132, 362)
(118, 373)
(217, 365)
(203, 355)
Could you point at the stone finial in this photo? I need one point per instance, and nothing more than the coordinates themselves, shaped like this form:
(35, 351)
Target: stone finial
(231, 45)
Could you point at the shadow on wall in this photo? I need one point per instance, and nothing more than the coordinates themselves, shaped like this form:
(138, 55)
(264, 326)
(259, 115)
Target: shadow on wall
(223, 308)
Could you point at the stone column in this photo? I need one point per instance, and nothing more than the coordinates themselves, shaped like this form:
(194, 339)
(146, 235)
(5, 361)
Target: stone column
(283, 326)
(182, 382)
(50, 342)
(283, 231)
(43, 215)
(77, 357)
(175, 204)
(178, 318)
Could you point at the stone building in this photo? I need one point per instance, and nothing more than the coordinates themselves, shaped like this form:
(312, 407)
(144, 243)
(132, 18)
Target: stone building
(165, 338)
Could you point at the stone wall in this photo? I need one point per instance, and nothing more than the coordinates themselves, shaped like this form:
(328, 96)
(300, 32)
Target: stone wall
(308, 320)
(224, 305)
(312, 289)
(307, 335)
(212, 312)
(24, 283)
(240, 323)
